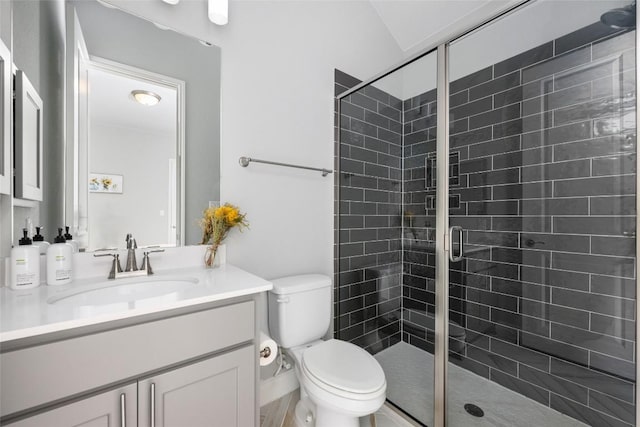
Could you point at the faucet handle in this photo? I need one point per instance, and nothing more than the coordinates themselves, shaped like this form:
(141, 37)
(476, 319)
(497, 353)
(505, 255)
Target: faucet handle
(115, 265)
(130, 241)
(146, 266)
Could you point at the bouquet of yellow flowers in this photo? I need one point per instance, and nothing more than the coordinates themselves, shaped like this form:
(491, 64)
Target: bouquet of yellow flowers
(216, 223)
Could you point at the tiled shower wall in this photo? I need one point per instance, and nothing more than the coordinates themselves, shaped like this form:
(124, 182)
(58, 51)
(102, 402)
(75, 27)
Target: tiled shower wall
(370, 192)
(543, 147)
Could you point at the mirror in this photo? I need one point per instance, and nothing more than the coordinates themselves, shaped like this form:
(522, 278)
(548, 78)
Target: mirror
(119, 165)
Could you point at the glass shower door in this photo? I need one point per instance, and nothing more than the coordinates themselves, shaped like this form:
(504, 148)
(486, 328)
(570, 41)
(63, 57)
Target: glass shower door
(542, 327)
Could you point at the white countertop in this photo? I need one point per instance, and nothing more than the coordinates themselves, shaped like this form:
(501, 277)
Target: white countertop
(29, 313)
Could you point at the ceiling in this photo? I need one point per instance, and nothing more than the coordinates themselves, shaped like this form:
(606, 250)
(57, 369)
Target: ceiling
(110, 103)
(412, 22)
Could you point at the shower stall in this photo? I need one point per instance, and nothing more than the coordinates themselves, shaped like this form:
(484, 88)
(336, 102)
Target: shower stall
(486, 218)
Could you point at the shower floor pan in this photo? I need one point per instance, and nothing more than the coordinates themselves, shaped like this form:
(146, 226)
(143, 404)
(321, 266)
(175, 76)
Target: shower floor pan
(409, 372)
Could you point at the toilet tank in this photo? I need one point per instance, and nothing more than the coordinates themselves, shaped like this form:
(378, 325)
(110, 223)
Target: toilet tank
(299, 309)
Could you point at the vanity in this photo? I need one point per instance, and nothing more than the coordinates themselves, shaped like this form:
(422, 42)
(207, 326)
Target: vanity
(178, 348)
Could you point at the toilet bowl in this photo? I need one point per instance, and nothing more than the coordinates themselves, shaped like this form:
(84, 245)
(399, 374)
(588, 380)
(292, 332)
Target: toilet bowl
(342, 381)
(339, 381)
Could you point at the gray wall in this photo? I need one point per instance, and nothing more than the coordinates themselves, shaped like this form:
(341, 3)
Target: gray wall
(120, 37)
(38, 50)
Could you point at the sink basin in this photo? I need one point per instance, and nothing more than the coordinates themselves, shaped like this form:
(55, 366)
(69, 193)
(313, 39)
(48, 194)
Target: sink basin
(131, 290)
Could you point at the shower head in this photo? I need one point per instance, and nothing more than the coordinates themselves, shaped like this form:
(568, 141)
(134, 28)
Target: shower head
(624, 17)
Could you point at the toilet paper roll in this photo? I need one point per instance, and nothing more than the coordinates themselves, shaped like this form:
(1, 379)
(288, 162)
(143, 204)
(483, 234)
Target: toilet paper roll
(268, 349)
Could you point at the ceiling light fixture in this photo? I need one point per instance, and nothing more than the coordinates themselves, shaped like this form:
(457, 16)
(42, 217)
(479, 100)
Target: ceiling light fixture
(145, 97)
(173, 2)
(219, 11)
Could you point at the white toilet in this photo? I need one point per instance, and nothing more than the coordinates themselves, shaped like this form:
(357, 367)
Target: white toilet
(339, 381)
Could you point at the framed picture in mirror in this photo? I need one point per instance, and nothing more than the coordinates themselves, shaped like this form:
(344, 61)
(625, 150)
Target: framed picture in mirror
(28, 140)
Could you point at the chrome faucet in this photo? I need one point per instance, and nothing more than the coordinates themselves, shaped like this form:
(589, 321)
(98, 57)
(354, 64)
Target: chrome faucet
(132, 245)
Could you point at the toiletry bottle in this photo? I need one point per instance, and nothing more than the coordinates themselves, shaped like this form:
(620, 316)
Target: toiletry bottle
(25, 264)
(59, 261)
(38, 240)
(69, 238)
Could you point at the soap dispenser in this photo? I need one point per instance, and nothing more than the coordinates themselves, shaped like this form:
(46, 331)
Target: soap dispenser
(38, 240)
(59, 261)
(25, 264)
(69, 238)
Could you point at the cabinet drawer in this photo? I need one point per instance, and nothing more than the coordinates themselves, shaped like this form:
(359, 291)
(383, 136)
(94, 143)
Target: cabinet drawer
(38, 375)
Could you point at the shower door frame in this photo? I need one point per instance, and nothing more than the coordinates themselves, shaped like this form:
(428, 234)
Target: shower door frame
(443, 244)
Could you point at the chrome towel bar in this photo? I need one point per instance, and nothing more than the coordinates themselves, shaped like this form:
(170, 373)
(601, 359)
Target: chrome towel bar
(244, 162)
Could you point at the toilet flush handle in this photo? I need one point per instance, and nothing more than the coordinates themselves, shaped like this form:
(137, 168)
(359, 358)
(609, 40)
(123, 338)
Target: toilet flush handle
(283, 300)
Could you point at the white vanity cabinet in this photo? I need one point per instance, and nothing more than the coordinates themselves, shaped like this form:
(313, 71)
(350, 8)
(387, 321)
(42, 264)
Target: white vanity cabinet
(191, 369)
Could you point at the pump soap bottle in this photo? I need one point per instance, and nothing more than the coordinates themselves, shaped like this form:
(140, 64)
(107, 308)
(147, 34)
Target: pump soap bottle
(69, 238)
(25, 264)
(59, 261)
(38, 240)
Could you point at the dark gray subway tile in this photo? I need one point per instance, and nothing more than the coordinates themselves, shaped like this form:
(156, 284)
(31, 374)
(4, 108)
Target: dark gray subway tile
(356, 153)
(555, 313)
(534, 258)
(490, 329)
(363, 101)
(613, 366)
(556, 64)
(459, 126)
(520, 354)
(509, 271)
(588, 74)
(345, 79)
(476, 165)
(555, 278)
(518, 321)
(496, 146)
(512, 127)
(529, 190)
(492, 117)
(389, 136)
(492, 238)
(527, 389)
(459, 98)
(376, 170)
(585, 111)
(351, 221)
(363, 235)
(522, 223)
(611, 346)
(351, 166)
(583, 413)
(520, 289)
(471, 222)
(614, 326)
(416, 137)
(557, 135)
(554, 348)
(393, 114)
(606, 245)
(593, 379)
(351, 110)
(613, 45)
(509, 96)
(553, 171)
(548, 207)
(602, 304)
(472, 79)
(615, 286)
(474, 194)
(362, 208)
(614, 165)
(608, 265)
(353, 194)
(524, 157)
(524, 59)
(600, 186)
(471, 108)
(596, 147)
(555, 384)
(364, 128)
(357, 181)
(615, 205)
(351, 249)
(375, 144)
(612, 407)
(492, 299)
(537, 88)
(376, 93)
(493, 208)
(582, 36)
(624, 82)
(496, 85)
(559, 99)
(555, 242)
(492, 360)
(603, 225)
(471, 137)
(376, 119)
(351, 138)
(502, 176)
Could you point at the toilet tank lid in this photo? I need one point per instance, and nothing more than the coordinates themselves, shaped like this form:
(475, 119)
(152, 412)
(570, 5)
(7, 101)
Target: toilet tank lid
(301, 283)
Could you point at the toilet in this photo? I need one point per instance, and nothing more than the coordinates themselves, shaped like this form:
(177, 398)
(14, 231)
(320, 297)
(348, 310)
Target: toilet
(339, 381)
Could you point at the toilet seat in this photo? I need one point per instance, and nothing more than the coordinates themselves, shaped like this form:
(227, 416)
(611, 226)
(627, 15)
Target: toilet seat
(343, 369)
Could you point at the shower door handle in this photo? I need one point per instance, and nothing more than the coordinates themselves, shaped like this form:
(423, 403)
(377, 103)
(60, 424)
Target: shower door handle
(452, 257)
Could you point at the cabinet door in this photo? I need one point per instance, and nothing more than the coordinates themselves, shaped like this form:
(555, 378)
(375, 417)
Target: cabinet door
(215, 392)
(115, 408)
